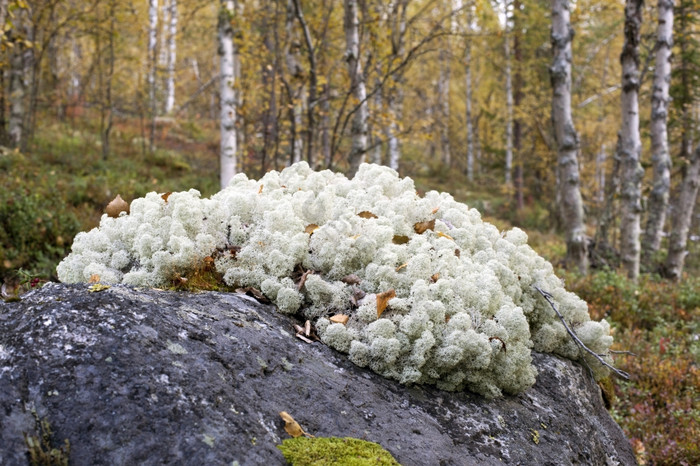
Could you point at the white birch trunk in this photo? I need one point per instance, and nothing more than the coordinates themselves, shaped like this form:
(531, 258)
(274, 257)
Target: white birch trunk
(681, 218)
(20, 70)
(228, 97)
(296, 74)
(152, 62)
(509, 106)
(571, 207)
(171, 57)
(443, 112)
(630, 144)
(358, 130)
(661, 160)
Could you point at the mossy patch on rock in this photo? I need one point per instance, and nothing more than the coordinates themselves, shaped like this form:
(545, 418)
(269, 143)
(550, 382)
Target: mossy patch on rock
(334, 450)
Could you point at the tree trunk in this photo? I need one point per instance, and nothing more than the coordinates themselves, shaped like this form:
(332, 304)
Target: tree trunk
(397, 18)
(470, 125)
(107, 110)
(358, 129)
(19, 71)
(326, 124)
(661, 160)
(295, 85)
(629, 143)
(509, 105)
(171, 57)
(313, 85)
(228, 97)
(681, 217)
(152, 64)
(443, 113)
(571, 208)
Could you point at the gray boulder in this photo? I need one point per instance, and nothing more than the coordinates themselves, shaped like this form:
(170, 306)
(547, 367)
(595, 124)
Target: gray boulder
(133, 376)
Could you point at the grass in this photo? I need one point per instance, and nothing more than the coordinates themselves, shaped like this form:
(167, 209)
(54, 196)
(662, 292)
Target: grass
(61, 185)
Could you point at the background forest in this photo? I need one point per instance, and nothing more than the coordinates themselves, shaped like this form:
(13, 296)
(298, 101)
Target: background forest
(100, 97)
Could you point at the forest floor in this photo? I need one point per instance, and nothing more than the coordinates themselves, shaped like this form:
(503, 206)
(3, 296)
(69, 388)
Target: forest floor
(60, 185)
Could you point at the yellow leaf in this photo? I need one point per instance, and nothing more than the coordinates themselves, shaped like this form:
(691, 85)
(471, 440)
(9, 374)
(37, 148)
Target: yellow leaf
(339, 319)
(443, 235)
(422, 227)
(366, 214)
(310, 228)
(383, 300)
(97, 287)
(117, 206)
(401, 266)
(260, 190)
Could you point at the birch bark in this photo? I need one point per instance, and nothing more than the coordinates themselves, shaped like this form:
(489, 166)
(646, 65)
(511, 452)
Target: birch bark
(358, 129)
(509, 103)
(228, 97)
(171, 45)
(152, 62)
(629, 143)
(571, 208)
(661, 160)
(682, 216)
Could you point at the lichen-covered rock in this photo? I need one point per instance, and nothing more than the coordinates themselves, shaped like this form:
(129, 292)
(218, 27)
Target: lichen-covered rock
(133, 376)
(466, 313)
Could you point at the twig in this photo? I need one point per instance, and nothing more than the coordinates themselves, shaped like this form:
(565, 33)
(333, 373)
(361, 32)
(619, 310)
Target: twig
(548, 298)
(622, 352)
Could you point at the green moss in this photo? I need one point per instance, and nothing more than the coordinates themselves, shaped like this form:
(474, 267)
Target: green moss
(334, 450)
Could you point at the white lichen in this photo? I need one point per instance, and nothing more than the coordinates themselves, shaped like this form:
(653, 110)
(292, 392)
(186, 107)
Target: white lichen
(465, 315)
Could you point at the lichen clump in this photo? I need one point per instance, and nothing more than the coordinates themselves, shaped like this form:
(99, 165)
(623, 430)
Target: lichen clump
(465, 315)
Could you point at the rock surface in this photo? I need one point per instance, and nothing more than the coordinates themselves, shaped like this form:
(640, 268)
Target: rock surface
(135, 376)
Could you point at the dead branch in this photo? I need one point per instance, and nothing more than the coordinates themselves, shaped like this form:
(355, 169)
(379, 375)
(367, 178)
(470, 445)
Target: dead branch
(548, 298)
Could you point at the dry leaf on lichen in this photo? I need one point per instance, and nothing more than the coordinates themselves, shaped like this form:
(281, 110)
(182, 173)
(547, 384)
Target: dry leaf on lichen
(383, 300)
(422, 227)
(435, 277)
(339, 319)
(94, 278)
(443, 235)
(367, 214)
(457, 252)
(260, 190)
(434, 211)
(165, 196)
(310, 228)
(399, 239)
(291, 426)
(117, 206)
(401, 266)
(351, 279)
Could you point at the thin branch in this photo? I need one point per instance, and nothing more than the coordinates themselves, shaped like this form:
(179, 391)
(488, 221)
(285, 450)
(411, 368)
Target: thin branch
(548, 298)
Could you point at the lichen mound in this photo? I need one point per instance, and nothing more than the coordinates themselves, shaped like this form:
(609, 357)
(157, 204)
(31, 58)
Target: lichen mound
(465, 312)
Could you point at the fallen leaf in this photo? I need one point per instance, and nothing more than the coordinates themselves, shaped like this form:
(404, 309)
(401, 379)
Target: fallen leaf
(434, 211)
(355, 237)
(402, 266)
(260, 190)
(367, 214)
(435, 277)
(339, 319)
(399, 239)
(443, 235)
(383, 300)
(351, 279)
(310, 228)
(117, 206)
(165, 196)
(291, 426)
(94, 278)
(457, 252)
(422, 227)
(254, 292)
(97, 287)
(307, 328)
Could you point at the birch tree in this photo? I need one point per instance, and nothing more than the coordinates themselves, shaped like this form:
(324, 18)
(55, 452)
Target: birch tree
(682, 216)
(629, 143)
(571, 208)
(228, 97)
(358, 129)
(661, 160)
(171, 46)
(152, 66)
(395, 92)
